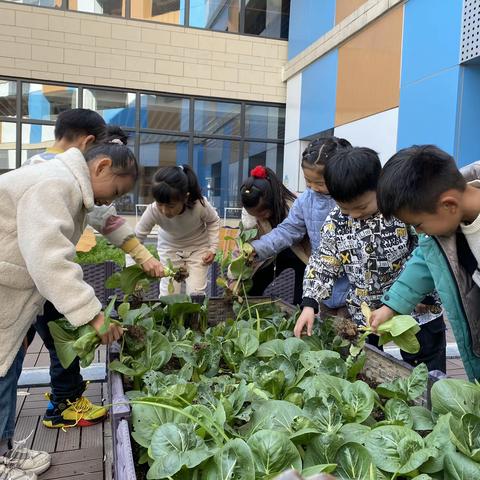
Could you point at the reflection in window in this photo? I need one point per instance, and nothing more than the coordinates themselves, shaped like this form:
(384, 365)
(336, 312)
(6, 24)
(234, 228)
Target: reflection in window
(165, 11)
(104, 7)
(216, 163)
(36, 139)
(217, 118)
(264, 121)
(267, 154)
(220, 15)
(8, 98)
(164, 113)
(8, 137)
(158, 151)
(267, 18)
(117, 108)
(45, 102)
(39, 3)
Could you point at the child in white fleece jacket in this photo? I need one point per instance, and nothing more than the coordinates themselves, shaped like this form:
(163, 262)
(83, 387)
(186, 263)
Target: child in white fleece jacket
(42, 216)
(189, 225)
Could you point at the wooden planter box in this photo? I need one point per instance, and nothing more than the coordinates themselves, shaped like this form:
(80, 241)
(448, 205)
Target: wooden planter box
(380, 367)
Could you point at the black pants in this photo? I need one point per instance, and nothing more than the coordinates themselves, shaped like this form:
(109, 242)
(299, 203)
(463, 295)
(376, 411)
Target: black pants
(433, 346)
(285, 259)
(65, 383)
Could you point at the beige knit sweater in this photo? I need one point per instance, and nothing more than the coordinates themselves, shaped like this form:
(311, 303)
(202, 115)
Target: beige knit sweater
(42, 215)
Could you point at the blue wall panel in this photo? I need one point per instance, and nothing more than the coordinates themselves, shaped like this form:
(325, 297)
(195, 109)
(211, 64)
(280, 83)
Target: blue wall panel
(319, 88)
(428, 111)
(431, 37)
(309, 20)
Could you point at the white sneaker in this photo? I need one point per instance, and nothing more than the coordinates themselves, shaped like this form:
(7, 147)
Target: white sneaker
(10, 473)
(21, 458)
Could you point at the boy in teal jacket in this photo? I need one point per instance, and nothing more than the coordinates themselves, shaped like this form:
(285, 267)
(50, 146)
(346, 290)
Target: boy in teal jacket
(422, 186)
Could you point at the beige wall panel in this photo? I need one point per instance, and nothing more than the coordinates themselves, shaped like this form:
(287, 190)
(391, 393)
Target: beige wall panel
(108, 51)
(368, 79)
(345, 7)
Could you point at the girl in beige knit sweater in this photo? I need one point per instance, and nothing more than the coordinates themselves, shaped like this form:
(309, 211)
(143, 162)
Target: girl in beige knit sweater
(42, 215)
(189, 225)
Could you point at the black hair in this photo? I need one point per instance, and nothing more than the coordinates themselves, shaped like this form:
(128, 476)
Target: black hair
(269, 192)
(351, 173)
(320, 150)
(414, 179)
(172, 184)
(123, 160)
(114, 132)
(71, 124)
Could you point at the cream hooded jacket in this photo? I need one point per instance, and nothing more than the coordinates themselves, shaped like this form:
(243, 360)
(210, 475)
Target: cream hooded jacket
(42, 215)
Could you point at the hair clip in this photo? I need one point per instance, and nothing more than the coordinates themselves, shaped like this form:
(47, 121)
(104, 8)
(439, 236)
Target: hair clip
(259, 172)
(117, 141)
(247, 191)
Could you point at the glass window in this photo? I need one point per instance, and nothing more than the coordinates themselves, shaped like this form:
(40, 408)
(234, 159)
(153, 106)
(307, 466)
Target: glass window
(267, 18)
(8, 98)
(36, 139)
(259, 153)
(165, 113)
(45, 102)
(8, 146)
(216, 163)
(158, 151)
(264, 121)
(104, 7)
(39, 3)
(116, 107)
(217, 118)
(220, 15)
(165, 11)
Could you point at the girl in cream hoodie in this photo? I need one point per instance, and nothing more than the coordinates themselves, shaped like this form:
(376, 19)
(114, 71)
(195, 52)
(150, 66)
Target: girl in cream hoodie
(42, 215)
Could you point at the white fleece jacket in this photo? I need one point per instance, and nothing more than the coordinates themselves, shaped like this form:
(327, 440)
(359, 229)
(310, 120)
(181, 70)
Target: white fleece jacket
(42, 216)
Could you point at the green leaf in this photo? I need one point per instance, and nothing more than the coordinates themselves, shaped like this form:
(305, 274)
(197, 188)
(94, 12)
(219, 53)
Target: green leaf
(455, 396)
(358, 403)
(398, 410)
(422, 418)
(322, 449)
(326, 414)
(247, 342)
(63, 341)
(273, 453)
(460, 467)
(439, 439)
(235, 461)
(271, 349)
(465, 435)
(355, 463)
(354, 432)
(325, 468)
(174, 446)
(408, 388)
(397, 449)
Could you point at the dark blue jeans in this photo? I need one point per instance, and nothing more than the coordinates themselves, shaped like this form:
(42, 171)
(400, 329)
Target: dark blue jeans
(8, 396)
(66, 383)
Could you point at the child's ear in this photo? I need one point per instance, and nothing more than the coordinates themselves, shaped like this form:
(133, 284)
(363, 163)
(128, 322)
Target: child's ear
(101, 165)
(450, 202)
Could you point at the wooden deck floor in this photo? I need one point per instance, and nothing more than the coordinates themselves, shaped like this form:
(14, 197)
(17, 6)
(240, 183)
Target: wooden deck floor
(77, 453)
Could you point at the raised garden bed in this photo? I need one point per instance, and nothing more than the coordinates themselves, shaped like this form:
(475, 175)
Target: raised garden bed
(379, 368)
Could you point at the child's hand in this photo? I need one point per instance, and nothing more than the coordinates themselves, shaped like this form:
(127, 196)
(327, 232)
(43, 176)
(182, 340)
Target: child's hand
(305, 319)
(380, 316)
(153, 268)
(113, 333)
(208, 258)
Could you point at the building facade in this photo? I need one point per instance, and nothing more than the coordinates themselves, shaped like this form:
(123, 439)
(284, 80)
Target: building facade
(192, 81)
(385, 74)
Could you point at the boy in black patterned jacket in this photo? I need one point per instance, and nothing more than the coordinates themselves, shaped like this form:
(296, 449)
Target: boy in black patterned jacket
(370, 250)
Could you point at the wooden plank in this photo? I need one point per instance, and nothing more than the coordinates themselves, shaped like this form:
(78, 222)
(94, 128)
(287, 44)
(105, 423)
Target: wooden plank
(92, 436)
(75, 470)
(20, 402)
(68, 440)
(24, 428)
(73, 456)
(108, 450)
(84, 476)
(36, 345)
(45, 438)
(43, 360)
(30, 360)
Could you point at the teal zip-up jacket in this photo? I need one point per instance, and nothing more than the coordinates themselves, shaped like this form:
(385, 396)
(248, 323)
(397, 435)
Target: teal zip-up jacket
(434, 265)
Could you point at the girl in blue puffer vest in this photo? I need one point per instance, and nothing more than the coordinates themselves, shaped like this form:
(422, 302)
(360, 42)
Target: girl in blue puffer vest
(308, 212)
